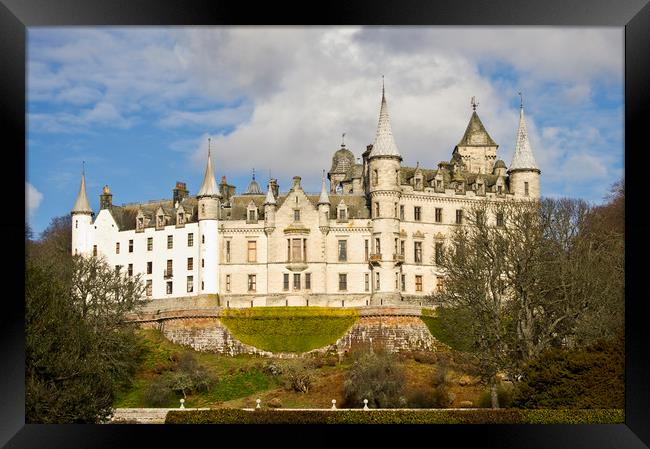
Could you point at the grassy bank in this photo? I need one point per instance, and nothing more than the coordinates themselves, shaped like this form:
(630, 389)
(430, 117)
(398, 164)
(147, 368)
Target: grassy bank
(289, 329)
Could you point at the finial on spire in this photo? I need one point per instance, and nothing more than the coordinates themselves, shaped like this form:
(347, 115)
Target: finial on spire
(209, 139)
(383, 91)
(521, 101)
(253, 174)
(343, 140)
(474, 103)
(83, 168)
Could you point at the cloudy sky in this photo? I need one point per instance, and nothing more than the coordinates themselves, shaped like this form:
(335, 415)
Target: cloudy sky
(138, 104)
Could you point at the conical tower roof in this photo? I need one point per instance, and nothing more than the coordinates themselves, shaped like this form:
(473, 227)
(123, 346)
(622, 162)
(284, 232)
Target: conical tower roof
(81, 205)
(523, 158)
(209, 186)
(476, 134)
(270, 199)
(384, 144)
(324, 197)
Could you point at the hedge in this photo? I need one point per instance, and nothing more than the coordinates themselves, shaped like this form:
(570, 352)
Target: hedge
(500, 416)
(289, 329)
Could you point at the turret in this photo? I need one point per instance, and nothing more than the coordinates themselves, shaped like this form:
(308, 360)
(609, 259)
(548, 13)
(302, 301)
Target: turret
(523, 171)
(476, 149)
(323, 207)
(384, 165)
(342, 162)
(209, 199)
(106, 198)
(81, 221)
(270, 206)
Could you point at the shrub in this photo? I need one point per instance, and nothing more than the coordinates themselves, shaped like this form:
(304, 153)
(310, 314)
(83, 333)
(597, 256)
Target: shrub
(582, 378)
(504, 395)
(274, 403)
(158, 394)
(422, 399)
(374, 376)
(299, 380)
(271, 368)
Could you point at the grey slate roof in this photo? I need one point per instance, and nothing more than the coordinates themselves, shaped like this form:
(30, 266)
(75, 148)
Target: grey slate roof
(475, 134)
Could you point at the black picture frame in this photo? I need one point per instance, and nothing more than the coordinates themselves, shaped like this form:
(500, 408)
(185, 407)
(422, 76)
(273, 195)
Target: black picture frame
(634, 15)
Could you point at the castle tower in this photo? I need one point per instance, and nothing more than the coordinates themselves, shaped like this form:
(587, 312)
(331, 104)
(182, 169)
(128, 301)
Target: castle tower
(106, 198)
(524, 173)
(82, 216)
(323, 208)
(477, 150)
(342, 162)
(209, 199)
(384, 165)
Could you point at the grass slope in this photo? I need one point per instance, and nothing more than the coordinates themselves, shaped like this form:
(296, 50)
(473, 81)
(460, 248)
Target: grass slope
(289, 329)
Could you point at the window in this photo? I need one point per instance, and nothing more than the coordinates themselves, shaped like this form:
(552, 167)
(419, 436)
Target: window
(401, 212)
(307, 281)
(203, 288)
(190, 284)
(439, 184)
(416, 213)
(149, 243)
(285, 281)
(343, 214)
(417, 253)
(296, 215)
(227, 250)
(480, 216)
(168, 272)
(396, 246)
(499, 218)
(190, 239)
(130, 246)
(526, 188)
(377, 245)
(401, 247)
(170, 241)
(94, 250)
(161, 221)
(296, 250)
(343, 250)
(459, 216)
(366, 282)
(366, 250)
(203, 238)
(252, 251)
(296, 281)
(252, 215)
(181, 219)
(438, 255)
(396, 281)
(190, 263)
(376, 210)
(375, 177)
(149, 267)
(403, 282)
(140, 223)
(343, 282)
(130, 269)
(418, 283)
(438, 215)
(440, 284)
(395, 211)
(499, 190)
(418, 183)
(377, 281)
(227, 283)
(252, 282)
(202, 263)
(76, 224)
(169, 287)
(117, 248)
(149, 287)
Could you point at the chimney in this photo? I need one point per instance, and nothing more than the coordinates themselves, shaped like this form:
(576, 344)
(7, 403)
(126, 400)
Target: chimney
(296, 183)
(274, 187)
(179, 192)
(106, 198)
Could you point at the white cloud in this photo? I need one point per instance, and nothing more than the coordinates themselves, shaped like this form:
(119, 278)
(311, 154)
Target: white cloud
(33, 198)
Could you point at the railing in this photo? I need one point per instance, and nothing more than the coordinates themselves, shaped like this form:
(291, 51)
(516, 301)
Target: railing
(398, 258)
(374, 257)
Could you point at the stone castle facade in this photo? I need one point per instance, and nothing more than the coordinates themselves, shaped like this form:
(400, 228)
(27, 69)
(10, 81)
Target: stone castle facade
(371, 238)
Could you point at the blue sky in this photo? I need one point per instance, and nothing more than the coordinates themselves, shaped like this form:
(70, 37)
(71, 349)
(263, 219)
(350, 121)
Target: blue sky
(138, 104)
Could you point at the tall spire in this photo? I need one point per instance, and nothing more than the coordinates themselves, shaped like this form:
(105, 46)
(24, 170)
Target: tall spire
(523, 158)
(81, 205)
(270, 199)
(324, 197)
(209, 186)
(384, 144)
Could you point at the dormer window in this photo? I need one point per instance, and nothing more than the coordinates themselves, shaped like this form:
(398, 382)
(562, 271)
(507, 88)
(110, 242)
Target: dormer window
(160, 221)
(499, 189)
(251, 213)
(418, 183)
(181, 218)
(439, 184)
(140, 223)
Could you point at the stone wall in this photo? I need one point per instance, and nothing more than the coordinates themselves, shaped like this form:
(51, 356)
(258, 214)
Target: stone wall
(394, 333)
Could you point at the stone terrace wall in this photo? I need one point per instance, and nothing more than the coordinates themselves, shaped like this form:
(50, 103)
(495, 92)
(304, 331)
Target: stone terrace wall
(395, 329)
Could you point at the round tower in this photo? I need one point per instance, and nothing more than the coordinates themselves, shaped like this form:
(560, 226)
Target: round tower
(384, 191)
(209, 199)
(524, 173)
(82, 216)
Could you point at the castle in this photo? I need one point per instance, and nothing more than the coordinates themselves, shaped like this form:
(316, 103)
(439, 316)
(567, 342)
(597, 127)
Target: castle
(373, 237)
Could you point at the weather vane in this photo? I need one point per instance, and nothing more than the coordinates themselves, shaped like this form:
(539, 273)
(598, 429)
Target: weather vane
(343, 140)
(521, 103)
(474, 103)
